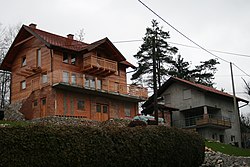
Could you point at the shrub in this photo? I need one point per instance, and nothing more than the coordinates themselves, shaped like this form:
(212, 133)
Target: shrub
(99, 146)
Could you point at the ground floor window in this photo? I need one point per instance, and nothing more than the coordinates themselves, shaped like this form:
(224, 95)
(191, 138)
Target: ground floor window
(35, 103)
(80, 104)
(127, 110)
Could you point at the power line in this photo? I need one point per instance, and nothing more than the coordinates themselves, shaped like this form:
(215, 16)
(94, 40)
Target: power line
(241, 70)
(189, 38)
(182, 33)
(212, 50)
(189, 46)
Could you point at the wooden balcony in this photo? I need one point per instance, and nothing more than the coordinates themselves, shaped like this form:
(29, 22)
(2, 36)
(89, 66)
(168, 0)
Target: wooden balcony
(204, 121)
(98, 66)
(104, 85)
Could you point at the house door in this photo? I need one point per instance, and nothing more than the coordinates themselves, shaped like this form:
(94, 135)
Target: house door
(43, 105)
(102, 111)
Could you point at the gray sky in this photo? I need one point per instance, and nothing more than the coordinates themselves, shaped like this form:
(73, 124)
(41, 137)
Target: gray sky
(214, 24)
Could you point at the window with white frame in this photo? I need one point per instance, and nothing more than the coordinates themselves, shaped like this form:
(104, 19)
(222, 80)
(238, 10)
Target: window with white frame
(65, 77)
(44, 78)
(73, 79)
(23, 85)
(38, 58)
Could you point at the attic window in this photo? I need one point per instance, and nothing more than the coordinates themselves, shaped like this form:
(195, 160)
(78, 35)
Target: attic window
(65, 58)
(73, 59)
(24, 62)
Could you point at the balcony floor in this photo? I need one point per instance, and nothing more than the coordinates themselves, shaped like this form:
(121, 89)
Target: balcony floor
(102, 93)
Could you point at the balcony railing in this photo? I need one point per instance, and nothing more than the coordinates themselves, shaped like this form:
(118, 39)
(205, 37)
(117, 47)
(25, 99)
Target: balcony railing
(203, 121)
(104, 85)
(99, 66)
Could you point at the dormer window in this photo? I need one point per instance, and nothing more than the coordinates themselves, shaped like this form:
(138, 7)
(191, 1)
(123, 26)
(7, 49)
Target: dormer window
(24, 62)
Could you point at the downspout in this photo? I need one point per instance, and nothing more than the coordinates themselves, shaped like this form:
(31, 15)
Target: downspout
(10, 86)
(171, 118)
(51, 65)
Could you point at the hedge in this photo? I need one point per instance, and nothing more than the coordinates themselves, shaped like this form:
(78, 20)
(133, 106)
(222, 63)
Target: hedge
(99, 146)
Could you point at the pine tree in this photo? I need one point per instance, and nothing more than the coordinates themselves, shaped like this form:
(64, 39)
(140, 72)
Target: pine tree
(163, 52)
(180, 69)
(201, 74)
(204, 73)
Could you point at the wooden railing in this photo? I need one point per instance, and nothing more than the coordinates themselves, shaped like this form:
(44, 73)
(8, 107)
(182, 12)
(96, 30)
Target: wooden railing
(99, 62)
(203, 120)
(106, 85)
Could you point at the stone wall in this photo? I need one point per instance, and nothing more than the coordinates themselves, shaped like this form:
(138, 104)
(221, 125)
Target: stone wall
(217, 159)
(11, 112)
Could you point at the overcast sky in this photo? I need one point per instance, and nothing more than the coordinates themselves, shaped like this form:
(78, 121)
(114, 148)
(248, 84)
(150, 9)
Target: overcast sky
(222, 25)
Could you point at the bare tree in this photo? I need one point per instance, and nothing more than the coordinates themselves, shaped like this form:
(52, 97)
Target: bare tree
(247, 87)
(80, 35)
(7, 35)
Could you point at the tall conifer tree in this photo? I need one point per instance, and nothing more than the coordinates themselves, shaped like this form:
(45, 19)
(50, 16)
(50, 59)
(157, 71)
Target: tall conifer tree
(163, 53)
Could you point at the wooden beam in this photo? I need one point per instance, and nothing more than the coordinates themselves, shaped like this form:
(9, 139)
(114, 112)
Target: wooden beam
(25, 40)
(26, 72)
(20, 74)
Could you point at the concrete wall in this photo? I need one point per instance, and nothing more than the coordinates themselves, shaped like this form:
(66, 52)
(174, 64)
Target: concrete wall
(175, 96)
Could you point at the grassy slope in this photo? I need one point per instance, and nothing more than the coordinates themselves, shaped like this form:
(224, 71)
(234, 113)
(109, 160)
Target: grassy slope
(228, 149)
(14, 123)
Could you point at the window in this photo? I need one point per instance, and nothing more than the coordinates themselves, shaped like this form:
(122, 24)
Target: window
(89, 82)
(44, 101)
(23, 85)
(92, 83)
(38, 58)
(73, 59)
(65, 77)
(65, 58)
(35, 103)
(214, 136)
(80, 105)
(127, 110)
(232, 138)
(187, 94)
(98, 107)
(99, 84)
(44, 78)
(24, 62)
(116, 86)
(105, 108)
(73, 79)
(102, 108)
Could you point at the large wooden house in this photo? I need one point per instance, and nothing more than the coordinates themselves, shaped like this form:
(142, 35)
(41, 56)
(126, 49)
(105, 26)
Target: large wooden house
(59, 76)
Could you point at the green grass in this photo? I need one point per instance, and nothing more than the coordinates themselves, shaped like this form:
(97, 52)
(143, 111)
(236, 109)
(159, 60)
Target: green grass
(14, 123)
(228, 149)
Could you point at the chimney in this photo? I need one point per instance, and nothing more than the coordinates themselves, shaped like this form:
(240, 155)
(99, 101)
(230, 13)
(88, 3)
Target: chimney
(32, 25)
(70, 36)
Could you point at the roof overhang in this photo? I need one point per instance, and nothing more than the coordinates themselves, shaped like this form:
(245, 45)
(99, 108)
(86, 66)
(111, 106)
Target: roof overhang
(161, 107)
(172, 80)
(89, 91)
